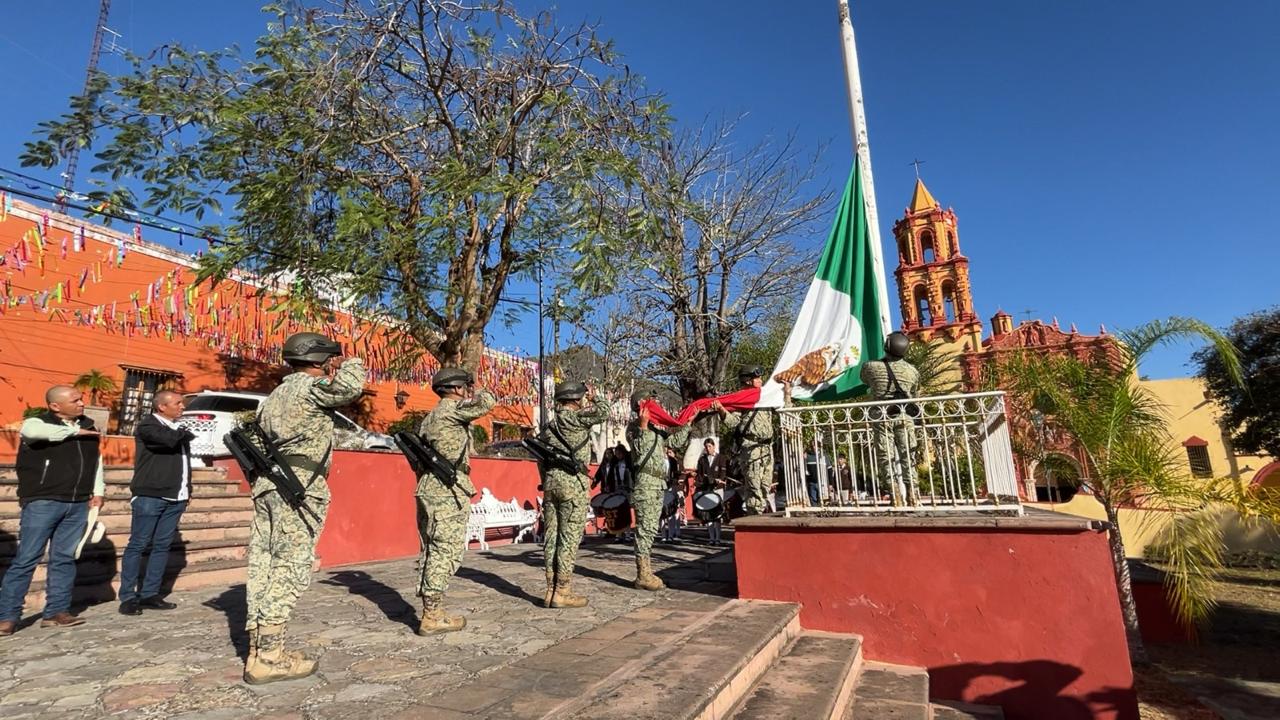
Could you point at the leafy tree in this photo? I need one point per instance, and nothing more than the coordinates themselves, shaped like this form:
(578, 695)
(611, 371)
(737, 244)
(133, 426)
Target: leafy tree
(405, 158)
(409, 422)
(95, 382)
(1251, 413)
(1122, 430)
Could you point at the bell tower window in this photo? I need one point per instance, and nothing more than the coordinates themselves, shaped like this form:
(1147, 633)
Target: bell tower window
(922, 306)
(949, 301)
(927, 251)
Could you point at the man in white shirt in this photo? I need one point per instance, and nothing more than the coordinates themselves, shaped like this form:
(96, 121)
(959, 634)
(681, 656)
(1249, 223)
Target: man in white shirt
(161, 487)
(59, 478)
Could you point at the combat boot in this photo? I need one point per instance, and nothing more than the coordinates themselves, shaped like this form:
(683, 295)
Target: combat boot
(269, 662)
(551, 589)
(434, 618)
(645, 579)
(564, 597)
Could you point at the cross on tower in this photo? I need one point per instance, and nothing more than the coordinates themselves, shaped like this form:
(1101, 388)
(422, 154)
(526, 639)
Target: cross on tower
(1027, 314)
(917, 163)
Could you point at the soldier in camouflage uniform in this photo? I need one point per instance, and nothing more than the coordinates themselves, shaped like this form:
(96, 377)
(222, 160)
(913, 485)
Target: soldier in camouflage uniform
(754, 447)
(297, 417)
(895, 437)
(565, 495)
(649, 453)
(445, 506)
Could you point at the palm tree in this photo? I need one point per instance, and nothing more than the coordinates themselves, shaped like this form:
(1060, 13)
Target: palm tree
(1122, 429)
(95, 382)
(938, 366)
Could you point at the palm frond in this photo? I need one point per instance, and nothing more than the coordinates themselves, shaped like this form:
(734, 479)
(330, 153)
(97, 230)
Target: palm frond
(1192, 549)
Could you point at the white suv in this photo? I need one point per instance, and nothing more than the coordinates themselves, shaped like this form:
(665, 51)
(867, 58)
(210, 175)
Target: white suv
(212, 414)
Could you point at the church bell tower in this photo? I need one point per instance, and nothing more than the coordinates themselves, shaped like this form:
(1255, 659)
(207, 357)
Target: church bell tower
(933, 276)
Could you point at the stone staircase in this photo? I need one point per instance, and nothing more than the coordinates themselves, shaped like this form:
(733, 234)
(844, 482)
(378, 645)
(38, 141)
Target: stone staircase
(709, 659)
(209, 548)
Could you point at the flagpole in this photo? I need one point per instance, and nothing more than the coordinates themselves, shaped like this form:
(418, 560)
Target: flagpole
(862, 151)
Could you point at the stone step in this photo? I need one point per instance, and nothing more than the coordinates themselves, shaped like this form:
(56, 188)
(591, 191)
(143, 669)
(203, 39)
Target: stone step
(955, 710)
(206, 574)
(103, 563)
(701, 673)
(813, 680)
(224, 511)
(119, 490)
(883, 690)
(688, 659)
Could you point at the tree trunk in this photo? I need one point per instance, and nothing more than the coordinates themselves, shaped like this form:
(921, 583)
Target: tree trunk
(1128, 608)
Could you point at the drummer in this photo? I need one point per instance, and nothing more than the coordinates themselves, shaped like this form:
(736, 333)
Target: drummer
(673, 500)
(713, 470)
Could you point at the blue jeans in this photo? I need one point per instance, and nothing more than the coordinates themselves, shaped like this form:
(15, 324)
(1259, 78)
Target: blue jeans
(41, 522)
(154, 522)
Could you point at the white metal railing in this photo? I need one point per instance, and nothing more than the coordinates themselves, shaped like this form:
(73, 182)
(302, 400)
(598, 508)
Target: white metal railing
(941, 453)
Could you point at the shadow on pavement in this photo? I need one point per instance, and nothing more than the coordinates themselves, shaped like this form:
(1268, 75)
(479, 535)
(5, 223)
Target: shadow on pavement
(232, 604)
(386, 598)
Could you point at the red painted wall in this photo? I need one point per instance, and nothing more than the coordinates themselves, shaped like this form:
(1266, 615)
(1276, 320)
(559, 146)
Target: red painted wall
(1028, 620)
(372, 511)
(1156, 618)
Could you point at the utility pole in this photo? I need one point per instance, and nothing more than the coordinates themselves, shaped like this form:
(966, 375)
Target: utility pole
(95, 51)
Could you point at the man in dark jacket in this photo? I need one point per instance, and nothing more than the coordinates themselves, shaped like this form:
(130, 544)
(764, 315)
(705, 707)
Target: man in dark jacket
(59, 478)
(161, 488)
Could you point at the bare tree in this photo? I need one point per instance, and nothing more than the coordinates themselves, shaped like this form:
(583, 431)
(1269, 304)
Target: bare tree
(725, 236)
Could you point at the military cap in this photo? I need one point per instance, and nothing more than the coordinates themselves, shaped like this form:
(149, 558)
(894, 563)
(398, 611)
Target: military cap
(750, 371)
(310, 347)
(570, 390)
(450, 377)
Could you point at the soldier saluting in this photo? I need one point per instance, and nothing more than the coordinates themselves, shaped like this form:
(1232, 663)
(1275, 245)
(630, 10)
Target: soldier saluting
(444, 504)
(565, 493)
(296, 418)
(649, 448)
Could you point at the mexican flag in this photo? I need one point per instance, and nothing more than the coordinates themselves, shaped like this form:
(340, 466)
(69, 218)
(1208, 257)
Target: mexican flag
(845, 315)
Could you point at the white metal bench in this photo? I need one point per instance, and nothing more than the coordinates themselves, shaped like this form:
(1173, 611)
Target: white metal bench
(490, 512)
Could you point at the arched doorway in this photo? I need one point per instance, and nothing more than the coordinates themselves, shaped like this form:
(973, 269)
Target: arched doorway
(1268, 477)
(1057, 478)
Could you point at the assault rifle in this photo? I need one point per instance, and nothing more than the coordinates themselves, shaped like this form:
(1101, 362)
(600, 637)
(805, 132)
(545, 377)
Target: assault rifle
(424, 459)
(259, 457)
(549, 455)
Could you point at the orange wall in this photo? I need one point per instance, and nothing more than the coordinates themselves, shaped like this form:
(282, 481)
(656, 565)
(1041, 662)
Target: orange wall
(40, 348)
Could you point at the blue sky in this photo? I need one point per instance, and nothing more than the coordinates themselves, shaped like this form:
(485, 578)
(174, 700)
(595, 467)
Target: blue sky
(1110, 162)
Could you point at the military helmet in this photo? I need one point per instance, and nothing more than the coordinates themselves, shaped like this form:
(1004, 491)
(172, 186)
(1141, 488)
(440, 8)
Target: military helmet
(750, 371)
(640, 396)
(309, 347)
(450, 377)
(570, 390)
(895, 346)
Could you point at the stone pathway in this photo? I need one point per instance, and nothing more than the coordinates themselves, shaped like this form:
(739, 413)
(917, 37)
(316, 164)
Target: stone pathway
(186, 664)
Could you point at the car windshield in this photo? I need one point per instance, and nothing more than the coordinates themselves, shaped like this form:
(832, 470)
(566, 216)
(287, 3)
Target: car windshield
(222, 403)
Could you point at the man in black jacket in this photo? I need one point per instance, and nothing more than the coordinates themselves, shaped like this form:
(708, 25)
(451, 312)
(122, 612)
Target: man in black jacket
(59, 478)
(161, 488)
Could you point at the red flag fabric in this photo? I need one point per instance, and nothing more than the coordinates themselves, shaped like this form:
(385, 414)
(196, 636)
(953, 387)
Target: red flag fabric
(743, 399)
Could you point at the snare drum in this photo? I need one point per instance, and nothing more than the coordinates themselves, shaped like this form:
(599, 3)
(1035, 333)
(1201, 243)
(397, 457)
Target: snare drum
(708, 505)
(597, 503)
(733, 504)
(617, 513)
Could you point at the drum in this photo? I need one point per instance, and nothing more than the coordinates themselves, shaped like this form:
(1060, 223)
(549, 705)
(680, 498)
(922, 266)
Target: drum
(734, 505)
(708, 505)
(616, 510)
(597, 503)
(670, 501)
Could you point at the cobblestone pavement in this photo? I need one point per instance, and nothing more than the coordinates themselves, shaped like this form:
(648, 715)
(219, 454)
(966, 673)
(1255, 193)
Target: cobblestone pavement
(186, 663)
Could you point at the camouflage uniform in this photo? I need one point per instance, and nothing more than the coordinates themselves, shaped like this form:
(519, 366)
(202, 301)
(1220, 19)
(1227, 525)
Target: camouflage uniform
(895, 438)
(443, 511)
(282, 545)
(648, 452)
(755, 459)
(565, 496)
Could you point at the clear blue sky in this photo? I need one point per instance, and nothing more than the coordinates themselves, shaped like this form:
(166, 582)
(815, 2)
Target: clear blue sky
(1110, 162)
